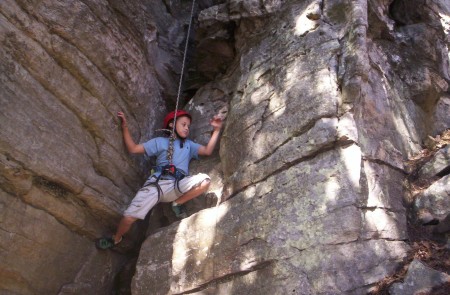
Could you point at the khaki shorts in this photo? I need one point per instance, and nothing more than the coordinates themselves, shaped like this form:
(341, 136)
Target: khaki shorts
(147, 197)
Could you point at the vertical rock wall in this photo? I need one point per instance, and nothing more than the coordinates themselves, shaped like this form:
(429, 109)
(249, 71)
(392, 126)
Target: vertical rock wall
(66, 68)
(327, 99)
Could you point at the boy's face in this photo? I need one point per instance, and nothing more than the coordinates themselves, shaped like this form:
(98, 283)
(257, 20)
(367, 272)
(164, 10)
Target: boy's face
(182, 126)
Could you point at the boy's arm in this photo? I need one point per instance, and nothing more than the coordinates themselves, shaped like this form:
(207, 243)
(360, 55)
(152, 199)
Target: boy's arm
(132, 147)
(207, 150)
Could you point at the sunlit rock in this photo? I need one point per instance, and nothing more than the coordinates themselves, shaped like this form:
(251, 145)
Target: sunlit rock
(436, 198)
(323, 102)
(420, 279)
(438, 164)
(324, 109)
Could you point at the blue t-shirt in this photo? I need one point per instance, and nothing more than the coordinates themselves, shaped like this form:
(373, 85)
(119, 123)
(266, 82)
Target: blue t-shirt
(181, 157)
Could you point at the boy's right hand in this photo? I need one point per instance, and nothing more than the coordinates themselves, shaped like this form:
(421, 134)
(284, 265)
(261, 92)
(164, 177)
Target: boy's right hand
(122, 118)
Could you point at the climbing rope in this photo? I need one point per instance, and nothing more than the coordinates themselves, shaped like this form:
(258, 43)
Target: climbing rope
(170, 150)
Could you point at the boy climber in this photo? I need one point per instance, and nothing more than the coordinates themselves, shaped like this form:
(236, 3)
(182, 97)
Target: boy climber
(168, 183)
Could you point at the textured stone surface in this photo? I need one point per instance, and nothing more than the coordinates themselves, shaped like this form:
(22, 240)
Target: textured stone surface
(327, 100)
(40, 254)
(420, 279)
(435, 199)
(441, 116)
(66, 68)
(324, 100)
(268, 232)
(439, 162)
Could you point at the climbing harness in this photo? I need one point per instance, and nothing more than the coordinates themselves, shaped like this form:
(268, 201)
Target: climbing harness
(167, 172)
(170, 171)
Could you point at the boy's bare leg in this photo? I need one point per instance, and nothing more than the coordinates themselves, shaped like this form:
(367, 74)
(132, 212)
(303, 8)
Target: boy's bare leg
(124, 226)
(194, 192)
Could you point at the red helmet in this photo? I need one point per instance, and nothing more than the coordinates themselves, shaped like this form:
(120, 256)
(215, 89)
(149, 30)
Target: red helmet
(171, 115)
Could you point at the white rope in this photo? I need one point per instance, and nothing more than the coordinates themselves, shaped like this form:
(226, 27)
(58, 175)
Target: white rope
(172, 137)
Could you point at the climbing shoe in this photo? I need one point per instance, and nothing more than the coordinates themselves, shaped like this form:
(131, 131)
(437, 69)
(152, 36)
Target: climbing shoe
(179, 210)
(106, 243)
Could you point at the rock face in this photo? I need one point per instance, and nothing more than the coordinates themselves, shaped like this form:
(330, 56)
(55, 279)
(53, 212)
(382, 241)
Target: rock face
(327, 101)
(431, 207)
(420, 279)
(324, 100)
(66, 68)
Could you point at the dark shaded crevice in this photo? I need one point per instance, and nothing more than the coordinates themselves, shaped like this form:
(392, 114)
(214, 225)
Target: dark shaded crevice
(263, 119)
(434, 221)
(52, 187)
(406, 12)
(342, 243)
(381, 162)
(298, 249)
(374, 238)
(444, 172)
(229, 277)
(167, 7)
(336, 68)
(134, 240)
(255, 239)
(262, 7)
(373, 208)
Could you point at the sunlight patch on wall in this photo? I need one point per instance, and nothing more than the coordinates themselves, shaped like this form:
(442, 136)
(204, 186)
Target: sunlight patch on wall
(260, 94)
(445, 22)
(332, 189)
(250, 260)
(192, 248)
(382, 224)
(352, 160)
(325, 83)
(308, 20)
(277, 105)
(375, 193)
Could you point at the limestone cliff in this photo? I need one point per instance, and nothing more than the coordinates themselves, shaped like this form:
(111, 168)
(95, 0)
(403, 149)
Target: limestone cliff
(325, 100)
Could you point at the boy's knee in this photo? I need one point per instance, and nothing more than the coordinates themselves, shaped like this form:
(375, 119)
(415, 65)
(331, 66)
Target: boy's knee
(128, 219)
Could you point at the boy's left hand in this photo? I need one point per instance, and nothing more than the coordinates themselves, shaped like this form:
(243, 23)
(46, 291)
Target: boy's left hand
(216, 122)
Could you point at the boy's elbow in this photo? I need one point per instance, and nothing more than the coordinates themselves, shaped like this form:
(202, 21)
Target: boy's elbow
(138, 149)
(204, 151)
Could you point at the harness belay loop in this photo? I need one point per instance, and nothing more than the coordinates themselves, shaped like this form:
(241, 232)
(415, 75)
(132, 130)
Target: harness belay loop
(173, 171)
